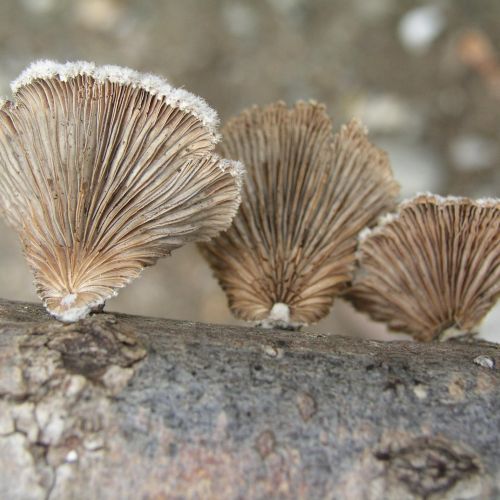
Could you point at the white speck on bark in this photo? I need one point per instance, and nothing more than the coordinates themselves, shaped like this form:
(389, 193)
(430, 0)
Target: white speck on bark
(485, 361)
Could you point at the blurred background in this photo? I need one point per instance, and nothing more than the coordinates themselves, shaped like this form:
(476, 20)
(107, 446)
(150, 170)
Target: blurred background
(423, 76)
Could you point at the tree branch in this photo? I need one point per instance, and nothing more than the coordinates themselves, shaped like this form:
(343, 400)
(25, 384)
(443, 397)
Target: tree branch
(118, 406)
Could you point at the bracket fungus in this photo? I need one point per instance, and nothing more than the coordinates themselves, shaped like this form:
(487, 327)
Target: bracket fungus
(432, 269)
(102, 171)
(291, 248)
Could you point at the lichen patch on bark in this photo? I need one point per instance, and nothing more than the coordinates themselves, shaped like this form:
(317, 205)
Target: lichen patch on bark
(55, 387)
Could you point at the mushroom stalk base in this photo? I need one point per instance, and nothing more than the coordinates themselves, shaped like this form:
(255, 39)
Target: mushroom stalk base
(117, 406)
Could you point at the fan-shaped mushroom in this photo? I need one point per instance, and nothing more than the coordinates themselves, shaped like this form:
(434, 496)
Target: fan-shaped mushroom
(432, 269)
(291, 248)
(102, 171)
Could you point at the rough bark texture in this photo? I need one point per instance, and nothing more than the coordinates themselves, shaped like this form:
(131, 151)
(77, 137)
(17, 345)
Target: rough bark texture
(126, 407)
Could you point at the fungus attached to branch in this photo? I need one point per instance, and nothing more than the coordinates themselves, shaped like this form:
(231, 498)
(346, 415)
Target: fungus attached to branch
(432, 269)
(291, 248)
(102, 171)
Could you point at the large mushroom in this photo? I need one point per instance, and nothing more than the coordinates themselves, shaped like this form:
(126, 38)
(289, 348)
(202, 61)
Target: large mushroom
(433, 268)
(102, 171)
(291, 248)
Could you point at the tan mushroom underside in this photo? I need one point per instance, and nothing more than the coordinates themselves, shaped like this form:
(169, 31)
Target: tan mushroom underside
(432, 268)
(307, 194)
(100, 179)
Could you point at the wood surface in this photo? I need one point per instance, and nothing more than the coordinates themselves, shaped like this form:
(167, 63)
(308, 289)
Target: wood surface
(118, 406)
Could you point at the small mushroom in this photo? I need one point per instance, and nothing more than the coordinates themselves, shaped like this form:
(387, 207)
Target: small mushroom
(102, 171)
(433, 268)
(291, 248)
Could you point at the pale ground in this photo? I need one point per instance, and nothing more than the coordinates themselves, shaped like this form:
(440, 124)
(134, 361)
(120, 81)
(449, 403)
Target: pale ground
(425, 81)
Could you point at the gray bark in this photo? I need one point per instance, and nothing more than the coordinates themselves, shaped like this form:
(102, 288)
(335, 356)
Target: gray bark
(118, 406)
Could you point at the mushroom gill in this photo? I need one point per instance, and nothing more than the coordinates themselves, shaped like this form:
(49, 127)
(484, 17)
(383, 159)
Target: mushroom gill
(307, 194)
(102, 171)
(433, 268)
